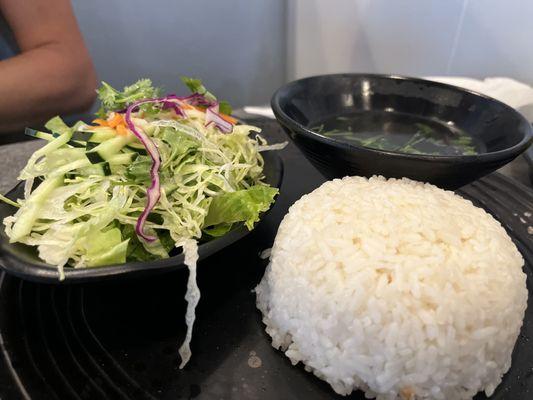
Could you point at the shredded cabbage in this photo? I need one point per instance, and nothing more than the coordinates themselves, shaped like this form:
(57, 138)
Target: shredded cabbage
(89, 183)
(97, 195)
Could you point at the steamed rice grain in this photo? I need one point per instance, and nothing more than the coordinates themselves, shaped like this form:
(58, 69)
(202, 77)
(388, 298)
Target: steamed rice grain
(394, 287)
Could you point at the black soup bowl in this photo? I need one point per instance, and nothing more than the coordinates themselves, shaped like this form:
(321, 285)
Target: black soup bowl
(501, 132)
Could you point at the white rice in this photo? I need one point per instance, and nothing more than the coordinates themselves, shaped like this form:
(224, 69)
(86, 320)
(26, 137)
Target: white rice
(394, 287)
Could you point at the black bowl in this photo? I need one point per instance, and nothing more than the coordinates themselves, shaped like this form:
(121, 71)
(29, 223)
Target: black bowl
(300, 104)
(22, 261)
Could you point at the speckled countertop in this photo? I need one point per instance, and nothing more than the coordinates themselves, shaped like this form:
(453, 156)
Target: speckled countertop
(13, 157)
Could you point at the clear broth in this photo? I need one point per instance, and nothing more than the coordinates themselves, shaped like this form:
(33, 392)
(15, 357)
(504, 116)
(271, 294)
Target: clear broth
(398, 132)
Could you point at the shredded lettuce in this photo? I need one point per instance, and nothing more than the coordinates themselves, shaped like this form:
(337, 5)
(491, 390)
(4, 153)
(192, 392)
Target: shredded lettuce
(240, 206)
(86, 188)
(106, 247)
(139, 186)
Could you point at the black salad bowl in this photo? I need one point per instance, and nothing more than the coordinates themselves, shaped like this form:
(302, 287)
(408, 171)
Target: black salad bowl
(23, 261)
(298, 105)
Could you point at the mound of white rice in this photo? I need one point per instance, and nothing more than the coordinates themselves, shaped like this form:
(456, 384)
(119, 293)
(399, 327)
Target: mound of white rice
(394, 287)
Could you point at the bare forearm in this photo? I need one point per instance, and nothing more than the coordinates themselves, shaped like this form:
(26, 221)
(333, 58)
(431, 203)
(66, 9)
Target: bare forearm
(41, 83)
(53, 74)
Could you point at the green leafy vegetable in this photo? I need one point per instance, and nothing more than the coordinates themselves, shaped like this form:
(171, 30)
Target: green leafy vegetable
(196, 86)
(218, 230)
(86, 187)
(425, 140)
(240, 206)
(105, 248)
(113, 99)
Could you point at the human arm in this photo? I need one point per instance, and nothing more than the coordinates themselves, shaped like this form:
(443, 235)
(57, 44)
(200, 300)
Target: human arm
(53, 74)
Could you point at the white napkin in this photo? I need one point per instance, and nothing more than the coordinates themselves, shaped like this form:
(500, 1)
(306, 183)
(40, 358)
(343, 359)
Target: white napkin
(509, 91)
(265, 111)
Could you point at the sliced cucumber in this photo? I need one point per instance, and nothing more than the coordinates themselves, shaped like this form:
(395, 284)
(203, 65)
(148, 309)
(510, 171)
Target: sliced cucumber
(122, 158)
(51, 136)
(111, 147)
(39, 135)
(82, 163)
(136, 145)
(102, 134)
(102, 169)
(109, 167)
(93, 156)
(81, 136)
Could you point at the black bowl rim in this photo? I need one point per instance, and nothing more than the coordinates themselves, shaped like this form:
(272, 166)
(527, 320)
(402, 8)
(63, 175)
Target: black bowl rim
(45, 273)
(510, 152)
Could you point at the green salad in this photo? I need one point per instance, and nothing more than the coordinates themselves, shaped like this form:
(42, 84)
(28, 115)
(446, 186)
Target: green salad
(150, 173)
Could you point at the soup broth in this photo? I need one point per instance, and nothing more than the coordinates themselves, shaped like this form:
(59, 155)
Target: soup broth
(398, 132)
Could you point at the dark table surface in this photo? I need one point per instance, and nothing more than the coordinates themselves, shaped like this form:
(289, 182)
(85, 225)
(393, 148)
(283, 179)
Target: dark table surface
(13, 157)
(119, 339)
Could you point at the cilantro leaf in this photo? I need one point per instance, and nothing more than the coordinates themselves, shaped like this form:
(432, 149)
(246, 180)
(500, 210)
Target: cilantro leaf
(113, 99)
(195, 85)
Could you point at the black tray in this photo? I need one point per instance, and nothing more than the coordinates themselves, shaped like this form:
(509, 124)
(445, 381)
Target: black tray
(23, 261)
(528, 155)
(119, 339)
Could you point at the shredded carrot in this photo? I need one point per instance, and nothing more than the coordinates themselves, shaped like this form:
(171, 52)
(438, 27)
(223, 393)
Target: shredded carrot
(101, 122)
(115, 120)
(190, 107)
(122, 130)
(225, 117)
(228, 118)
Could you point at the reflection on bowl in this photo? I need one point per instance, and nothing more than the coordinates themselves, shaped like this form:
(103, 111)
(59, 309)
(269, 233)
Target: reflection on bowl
(354, 124)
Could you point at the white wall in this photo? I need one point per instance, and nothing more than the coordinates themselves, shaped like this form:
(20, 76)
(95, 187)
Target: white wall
(236, 46)
(476, 38)
(245, 49)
